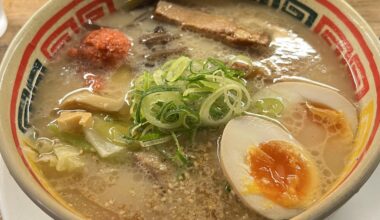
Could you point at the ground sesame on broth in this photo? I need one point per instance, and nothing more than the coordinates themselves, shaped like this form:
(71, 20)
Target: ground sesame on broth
(137, 188)
(130, 193)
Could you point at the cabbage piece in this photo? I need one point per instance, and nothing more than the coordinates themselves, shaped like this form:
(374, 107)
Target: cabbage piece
(49, 158)
(76, 140)
(113, 130)
(67, 158)
(44, 145)
(61, 156)
(101, 145)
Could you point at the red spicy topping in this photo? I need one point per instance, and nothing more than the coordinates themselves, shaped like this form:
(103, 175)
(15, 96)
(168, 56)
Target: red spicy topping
(103, 48)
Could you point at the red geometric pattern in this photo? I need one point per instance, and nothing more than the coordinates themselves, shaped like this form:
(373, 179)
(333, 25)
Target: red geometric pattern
(336, 38)
(50, 46)
(59, 37)
(93, 11)
(358, 76)
(372, 65)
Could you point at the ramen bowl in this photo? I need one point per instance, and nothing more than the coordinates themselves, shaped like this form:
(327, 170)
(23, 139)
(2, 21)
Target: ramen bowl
(50, 28)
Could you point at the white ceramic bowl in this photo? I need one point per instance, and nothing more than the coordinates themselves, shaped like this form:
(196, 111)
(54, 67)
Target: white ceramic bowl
(51, 27)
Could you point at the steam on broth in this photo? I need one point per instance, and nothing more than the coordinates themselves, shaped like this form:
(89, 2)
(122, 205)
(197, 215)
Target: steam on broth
(133, 132)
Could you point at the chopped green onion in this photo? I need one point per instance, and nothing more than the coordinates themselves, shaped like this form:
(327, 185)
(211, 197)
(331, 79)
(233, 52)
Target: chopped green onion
(227, 188)
(153, 99)
(271, 107)
(158, 77)
(180, 156)
(196, 90)
(181, 96)
(154, 142)
(177, 68)
(235, 108)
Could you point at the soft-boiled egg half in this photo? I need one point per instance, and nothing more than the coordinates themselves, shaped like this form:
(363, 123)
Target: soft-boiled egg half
(268, 161)
(312, 111)
(269, 170)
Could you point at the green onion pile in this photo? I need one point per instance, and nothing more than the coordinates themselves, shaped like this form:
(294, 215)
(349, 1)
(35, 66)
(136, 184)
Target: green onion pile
(183, 95)
(169, 104)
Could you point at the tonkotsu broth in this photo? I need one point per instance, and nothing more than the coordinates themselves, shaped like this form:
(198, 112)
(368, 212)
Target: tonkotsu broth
(106, 190)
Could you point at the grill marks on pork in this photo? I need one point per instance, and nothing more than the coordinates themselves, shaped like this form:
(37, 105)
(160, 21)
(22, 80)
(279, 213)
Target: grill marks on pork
(211, 25)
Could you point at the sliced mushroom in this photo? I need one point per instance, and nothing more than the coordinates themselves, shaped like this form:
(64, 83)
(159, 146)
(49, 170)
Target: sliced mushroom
(152, 165)
(161, 54)
(159, 29)
(157, 38)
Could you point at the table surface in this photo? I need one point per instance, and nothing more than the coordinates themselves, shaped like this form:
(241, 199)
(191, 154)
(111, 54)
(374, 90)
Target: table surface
(18, 11)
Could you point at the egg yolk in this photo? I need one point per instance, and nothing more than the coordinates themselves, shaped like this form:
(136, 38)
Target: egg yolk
(280, 173)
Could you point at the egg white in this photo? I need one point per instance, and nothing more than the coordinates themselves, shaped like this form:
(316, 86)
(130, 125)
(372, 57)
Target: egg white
(300, 92)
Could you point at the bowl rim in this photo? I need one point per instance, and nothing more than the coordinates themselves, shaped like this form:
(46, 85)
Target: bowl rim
(40, 197)
(372, 158)
(317, 211)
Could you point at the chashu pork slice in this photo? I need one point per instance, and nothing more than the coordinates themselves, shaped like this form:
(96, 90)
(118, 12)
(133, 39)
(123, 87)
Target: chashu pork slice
(213, 26)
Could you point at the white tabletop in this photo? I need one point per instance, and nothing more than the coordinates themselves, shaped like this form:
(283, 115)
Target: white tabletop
(365, 205)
